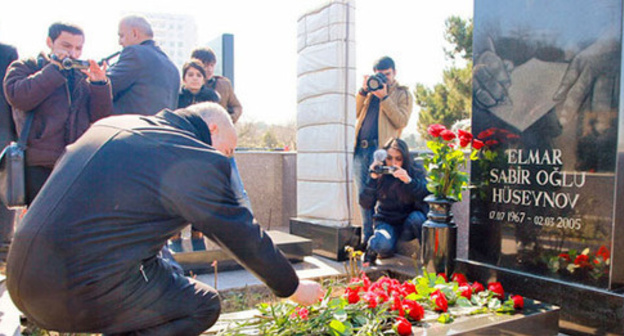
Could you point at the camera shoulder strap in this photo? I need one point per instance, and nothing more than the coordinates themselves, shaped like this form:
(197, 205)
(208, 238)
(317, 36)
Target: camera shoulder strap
(35, 64)
(23, 138)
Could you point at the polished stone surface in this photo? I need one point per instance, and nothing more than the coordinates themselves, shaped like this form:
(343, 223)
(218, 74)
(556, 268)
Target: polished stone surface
(295, 248)
(545, 194)
(584, 309)
(327, 241)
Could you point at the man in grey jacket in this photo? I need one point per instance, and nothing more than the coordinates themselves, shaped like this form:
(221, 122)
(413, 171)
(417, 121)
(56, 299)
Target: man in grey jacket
(85, 258)
(144, 79)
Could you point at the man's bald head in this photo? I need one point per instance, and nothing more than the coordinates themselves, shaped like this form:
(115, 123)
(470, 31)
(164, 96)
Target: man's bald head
(133, 30)
(220, 124)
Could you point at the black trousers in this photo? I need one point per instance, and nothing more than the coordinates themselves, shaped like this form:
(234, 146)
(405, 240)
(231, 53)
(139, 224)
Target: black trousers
(183, 306)
(156, 301)
(7, 218)
(35, 179)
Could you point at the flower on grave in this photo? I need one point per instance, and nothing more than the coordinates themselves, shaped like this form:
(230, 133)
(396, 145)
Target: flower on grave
(477, 287)
(459, 278)
(518, 301)
(465, 290)
(440, 303)
(382, 307)
(446, 175)
(415, 311)
(497, 289)
(402, 326)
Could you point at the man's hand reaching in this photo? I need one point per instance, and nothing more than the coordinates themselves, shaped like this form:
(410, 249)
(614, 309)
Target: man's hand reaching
(307, 293)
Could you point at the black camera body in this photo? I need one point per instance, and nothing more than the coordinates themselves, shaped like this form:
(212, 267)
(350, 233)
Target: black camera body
(68, 63)
(384, 170)
(376, 81)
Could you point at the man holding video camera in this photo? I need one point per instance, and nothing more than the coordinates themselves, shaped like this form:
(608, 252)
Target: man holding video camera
(383, 108)
(65, 97)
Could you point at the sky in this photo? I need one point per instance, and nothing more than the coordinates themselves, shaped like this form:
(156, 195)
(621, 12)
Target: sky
(265, 44)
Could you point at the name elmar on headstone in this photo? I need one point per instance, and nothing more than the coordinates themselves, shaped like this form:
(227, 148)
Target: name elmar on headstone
(546, 102)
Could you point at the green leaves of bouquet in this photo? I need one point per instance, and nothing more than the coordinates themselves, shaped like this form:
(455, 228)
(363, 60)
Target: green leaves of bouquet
(383, 307)
(445, 178)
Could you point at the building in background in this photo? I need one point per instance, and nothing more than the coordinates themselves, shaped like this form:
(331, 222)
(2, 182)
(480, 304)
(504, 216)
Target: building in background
(176, 34)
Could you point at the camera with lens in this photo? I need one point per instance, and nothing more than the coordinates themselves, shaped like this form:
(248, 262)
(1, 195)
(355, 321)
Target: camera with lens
(380, 155)
(69, 63)
(384, 170)
(376, 82)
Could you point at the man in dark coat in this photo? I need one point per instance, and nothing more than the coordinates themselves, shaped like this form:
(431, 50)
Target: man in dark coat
(64, 101)
(8, 54)
(144, 79)
(85, 258)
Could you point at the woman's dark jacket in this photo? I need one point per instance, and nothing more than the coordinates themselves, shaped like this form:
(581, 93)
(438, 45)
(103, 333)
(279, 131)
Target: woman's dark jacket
(394, 200)
(205, 94)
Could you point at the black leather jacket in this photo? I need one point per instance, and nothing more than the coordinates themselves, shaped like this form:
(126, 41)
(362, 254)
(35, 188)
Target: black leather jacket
(114, 199)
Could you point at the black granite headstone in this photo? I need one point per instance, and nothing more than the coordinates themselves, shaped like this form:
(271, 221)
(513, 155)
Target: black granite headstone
(546, 89)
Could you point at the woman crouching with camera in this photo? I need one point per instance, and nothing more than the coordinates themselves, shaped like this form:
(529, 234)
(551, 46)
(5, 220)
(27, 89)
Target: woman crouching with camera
(396, 190)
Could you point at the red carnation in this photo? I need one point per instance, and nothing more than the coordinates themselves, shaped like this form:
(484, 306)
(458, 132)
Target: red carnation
(464, 138)
(435, 130)
(477, 287)
(439, 301)
(518, 301)
(397, 304)
(414, 310)
(352, 295)
(465, 291)
(459, 278)
(302, 312)
(497, 289)
(408, 288)
(402, 326)
(444, 276)
(371, 298)
(447, 135)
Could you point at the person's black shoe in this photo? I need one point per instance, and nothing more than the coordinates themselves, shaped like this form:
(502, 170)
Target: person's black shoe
(370, 257)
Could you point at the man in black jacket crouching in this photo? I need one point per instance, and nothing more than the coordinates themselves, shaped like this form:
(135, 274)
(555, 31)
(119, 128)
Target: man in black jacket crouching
(85, 258)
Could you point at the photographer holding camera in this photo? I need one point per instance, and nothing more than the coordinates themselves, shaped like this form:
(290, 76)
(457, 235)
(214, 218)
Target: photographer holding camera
(65, 100)
(383, 109)
(395, 192)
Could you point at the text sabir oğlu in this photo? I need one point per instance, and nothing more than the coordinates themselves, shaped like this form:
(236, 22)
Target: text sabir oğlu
(518, 175)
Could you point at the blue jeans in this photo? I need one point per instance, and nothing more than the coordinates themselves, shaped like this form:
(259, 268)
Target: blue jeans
(362, 160)
(238, 187)
(386, 235)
